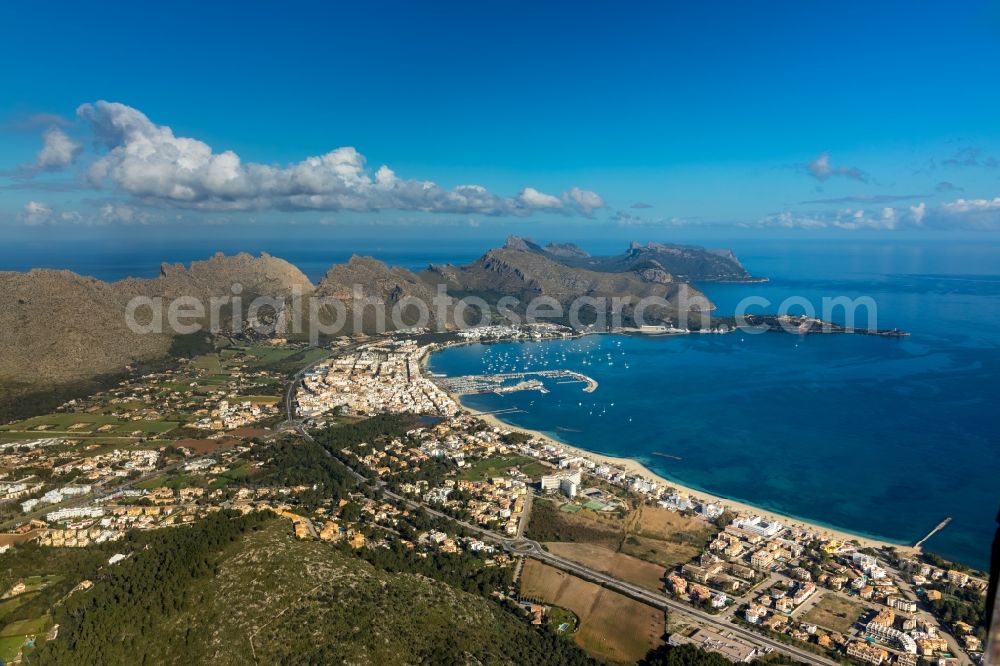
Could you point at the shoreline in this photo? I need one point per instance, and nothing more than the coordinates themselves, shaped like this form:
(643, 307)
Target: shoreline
(636, 468)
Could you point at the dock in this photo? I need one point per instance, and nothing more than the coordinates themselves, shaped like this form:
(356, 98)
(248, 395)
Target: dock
(940, 526)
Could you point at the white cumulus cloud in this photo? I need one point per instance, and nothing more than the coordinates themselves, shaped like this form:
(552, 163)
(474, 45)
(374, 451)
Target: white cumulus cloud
(821, 168)
(151, 163)
(532, 198)
(58, 150)
(36, 212)
(584, 201)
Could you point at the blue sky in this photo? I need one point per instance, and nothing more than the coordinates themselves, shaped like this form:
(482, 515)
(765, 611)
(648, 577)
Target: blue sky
(661, 120)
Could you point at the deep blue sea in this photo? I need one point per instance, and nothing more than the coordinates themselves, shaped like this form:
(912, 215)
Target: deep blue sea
(879, 436)
(113, 258)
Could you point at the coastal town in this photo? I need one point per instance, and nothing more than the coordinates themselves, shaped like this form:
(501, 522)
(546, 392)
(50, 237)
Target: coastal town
(169, 448)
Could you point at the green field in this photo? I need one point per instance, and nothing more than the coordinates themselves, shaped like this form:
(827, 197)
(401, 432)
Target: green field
(13, 636)
(34, 583)
(237, 473)
(64, 424)
(9, 646)
(146, 427)
(262, 399)
(61, 422)
(486, 468)
(209, 362)
(10, 605)
(278, 357)
(560, 616)
(35, 625)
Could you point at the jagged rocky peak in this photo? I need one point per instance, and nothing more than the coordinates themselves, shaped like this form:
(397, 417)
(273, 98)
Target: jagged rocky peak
(566, 250)
(357, 268)
(522, 244)
(266, 271)
(368, 271)
(359, 260)
(635, 247)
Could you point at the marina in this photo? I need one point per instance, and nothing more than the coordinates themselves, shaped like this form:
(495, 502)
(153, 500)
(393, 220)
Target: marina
(499, 383)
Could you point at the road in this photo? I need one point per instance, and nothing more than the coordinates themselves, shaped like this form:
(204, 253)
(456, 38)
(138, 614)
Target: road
(292, 385)
(528, 548)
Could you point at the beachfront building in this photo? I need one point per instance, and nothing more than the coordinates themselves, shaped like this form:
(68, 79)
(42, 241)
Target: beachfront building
(759, 526)
(566, 481)
(711, 510)
(568, 487)
(675, 502)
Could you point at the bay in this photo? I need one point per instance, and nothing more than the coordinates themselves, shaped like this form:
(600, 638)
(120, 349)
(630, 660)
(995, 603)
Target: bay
(883, 437)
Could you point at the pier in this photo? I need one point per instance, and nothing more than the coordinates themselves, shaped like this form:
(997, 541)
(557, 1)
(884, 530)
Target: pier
(667, 455)
(940, 526)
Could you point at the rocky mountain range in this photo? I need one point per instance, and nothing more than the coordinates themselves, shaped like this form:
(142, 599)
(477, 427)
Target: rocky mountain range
(682, 262)
(60, 327)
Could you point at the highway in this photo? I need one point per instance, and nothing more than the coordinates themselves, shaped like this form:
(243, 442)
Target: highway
(528, 548)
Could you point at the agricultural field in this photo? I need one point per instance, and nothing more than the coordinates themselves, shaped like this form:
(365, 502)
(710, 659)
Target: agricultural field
(272, 357)
(619, 565)
(262, 399)
(205, 446)
(612, 627)
(658, 536)
(487, 468)
(160, 403)
(834, 612)
(210, 363)
(665, 537)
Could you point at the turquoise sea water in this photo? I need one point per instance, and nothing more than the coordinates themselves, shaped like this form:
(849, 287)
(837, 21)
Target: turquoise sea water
(878, 436)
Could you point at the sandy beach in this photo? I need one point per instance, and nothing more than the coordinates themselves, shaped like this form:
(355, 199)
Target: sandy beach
(636, 468)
